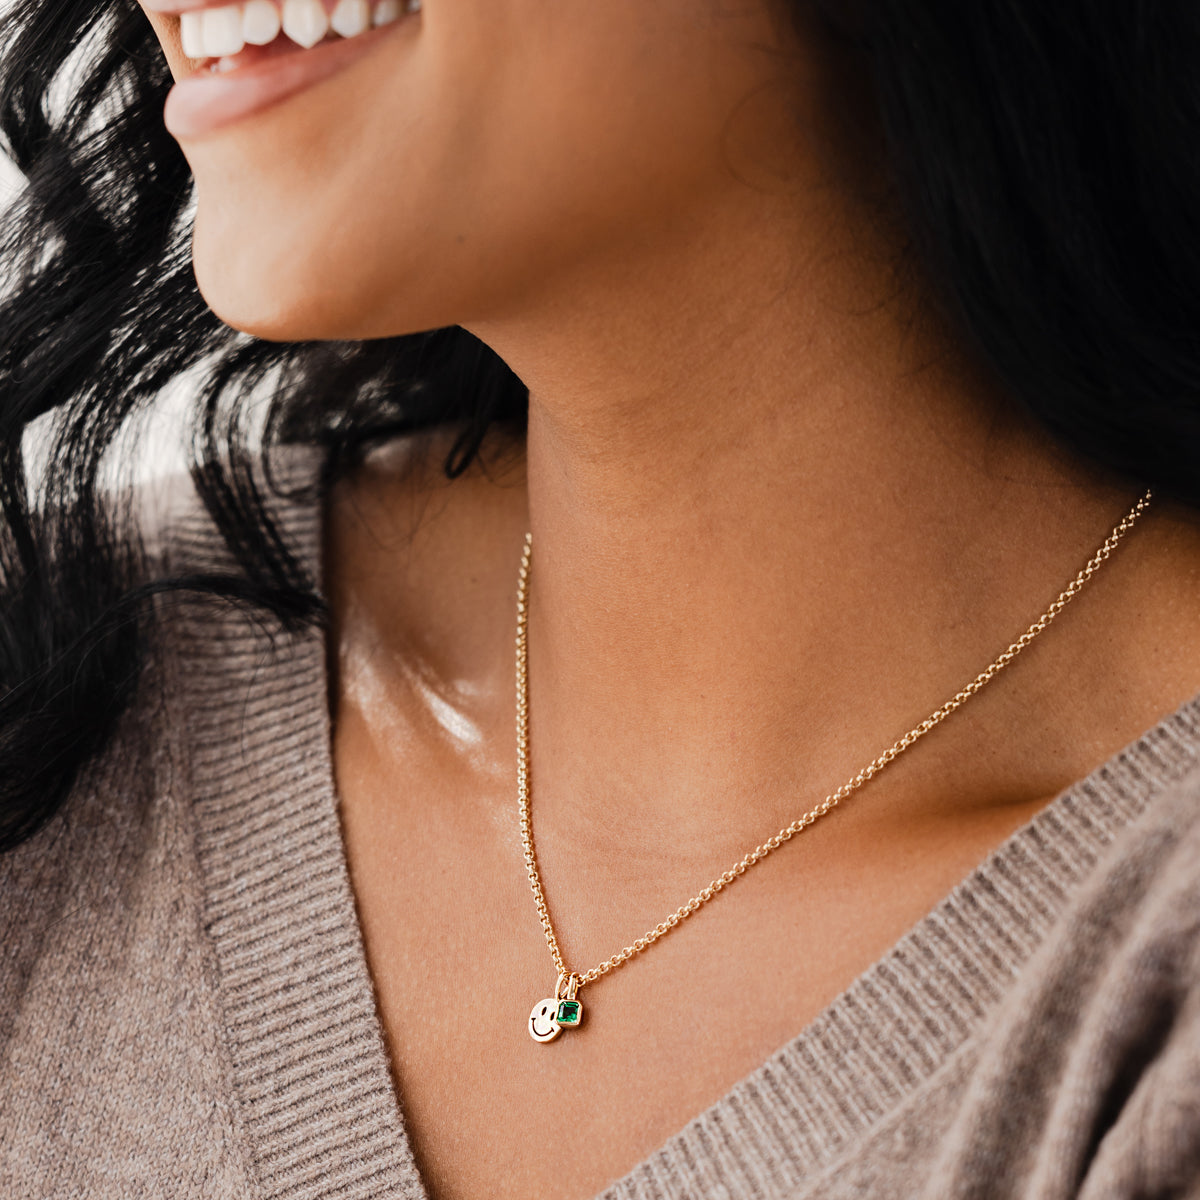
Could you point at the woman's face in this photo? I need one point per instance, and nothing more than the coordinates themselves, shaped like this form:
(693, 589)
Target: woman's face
(477, 158)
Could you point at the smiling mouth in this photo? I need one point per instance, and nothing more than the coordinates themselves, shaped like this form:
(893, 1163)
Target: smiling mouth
(244, 77)
(230, 36)
(536, 1031)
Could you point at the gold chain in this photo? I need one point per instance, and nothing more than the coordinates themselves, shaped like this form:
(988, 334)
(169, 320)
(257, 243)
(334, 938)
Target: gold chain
(786, 834)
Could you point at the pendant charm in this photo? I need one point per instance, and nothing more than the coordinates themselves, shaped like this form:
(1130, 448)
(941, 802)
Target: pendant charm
(558, 1012)
(543, 1025)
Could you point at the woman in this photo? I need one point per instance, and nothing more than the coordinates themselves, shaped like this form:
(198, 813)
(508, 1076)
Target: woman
(849, 333)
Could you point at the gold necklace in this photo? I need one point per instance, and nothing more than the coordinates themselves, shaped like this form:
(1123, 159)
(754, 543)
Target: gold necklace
(564, 1010)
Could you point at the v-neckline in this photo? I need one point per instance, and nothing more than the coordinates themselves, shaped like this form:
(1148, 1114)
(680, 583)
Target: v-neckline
(309, 1069)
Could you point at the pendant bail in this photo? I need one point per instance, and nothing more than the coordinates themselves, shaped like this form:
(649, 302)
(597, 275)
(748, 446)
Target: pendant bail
(567, 986)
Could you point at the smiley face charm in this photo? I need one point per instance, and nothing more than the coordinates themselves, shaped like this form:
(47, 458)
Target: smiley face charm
(543, 1022)
(558, 1012)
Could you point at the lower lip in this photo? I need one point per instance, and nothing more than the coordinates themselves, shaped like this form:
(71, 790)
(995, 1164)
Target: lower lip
(206, 101)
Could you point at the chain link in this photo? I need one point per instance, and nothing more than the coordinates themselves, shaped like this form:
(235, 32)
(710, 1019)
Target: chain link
(800, 823)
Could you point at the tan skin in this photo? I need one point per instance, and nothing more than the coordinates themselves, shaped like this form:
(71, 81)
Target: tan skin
(778, 515)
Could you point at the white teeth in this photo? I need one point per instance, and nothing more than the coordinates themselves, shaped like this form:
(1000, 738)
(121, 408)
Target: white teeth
(304, 21)
(386, 11)
(191, 33)
(351, 17)
(221, 30)
(220, 33)
(260, 22)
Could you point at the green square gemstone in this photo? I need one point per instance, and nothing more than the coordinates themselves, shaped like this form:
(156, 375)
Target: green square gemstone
(570, 1012)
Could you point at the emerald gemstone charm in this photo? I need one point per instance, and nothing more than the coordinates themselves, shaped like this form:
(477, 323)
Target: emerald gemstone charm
(570, 1012)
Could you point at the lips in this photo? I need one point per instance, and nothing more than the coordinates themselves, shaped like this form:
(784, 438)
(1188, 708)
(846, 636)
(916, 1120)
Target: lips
(243, 76)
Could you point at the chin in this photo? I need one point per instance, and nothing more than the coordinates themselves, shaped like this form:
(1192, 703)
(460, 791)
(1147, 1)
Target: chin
(285, 289)
(276, 314)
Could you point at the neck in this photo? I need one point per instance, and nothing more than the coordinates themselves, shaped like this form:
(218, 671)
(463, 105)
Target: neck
(761, 555)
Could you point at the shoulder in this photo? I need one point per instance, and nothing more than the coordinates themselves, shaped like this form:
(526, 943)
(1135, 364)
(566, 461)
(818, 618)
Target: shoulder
(107, 1007)
(1091, 1062)
(112, 1057)
(1080, 1079)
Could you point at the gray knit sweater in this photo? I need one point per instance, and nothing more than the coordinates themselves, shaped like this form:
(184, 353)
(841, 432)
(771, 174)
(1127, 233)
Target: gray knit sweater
(185, 1008)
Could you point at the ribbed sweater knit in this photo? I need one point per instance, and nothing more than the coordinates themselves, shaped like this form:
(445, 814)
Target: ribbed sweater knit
(186, 1009)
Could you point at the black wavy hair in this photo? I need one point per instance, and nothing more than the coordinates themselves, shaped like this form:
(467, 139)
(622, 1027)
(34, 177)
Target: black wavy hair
(1045, 157)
